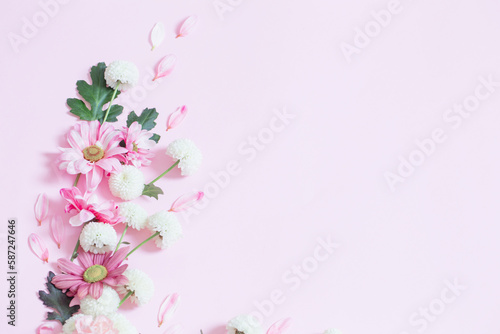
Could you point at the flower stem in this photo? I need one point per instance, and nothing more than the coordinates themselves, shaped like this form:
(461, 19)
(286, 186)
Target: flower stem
(125, 298)
(111, 102)
(77, 179)
(165, 172)
(75, 251)
(121, 238)
(142, 243)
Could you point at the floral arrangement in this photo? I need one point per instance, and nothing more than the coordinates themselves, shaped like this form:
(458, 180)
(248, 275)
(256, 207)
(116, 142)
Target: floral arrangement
(94, 281)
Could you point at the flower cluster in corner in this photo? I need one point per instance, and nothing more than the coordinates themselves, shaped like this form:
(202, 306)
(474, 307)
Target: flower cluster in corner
(95, 280)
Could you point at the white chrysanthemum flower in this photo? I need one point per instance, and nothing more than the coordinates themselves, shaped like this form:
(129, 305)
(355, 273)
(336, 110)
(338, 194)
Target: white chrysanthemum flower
(332, 331)
(69, 325)
(134, 214)
(189, 155)
(243, 324)
(167, 225)
(122, 324)
(127, 184)
(141, 286)
(98, 238)
(121, 72)
(106, 305)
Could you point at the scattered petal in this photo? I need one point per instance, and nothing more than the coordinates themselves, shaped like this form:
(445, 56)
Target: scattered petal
(167, 308)
(187, 26)
(186, 201)
(280, 326)
(157, 35)
(165, 66)
(176, 117)
(41, 208)
(38, 247)
(57, 230)
(49, 327)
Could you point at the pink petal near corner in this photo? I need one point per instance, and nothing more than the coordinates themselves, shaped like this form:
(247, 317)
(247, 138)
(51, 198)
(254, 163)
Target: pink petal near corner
(280, 326)
(186, 201)
(176, 118)
(57, 230)
(157, 35)
(167, 308)
(41, 208)
(165, 66)
(38, 247)
(187, 26)
(49, 327)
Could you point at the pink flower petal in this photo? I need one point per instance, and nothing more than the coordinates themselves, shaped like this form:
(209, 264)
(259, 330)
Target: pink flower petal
(187, 26)
(57, 230)
(41, 208)
(49, 327)
(38, 247)
(167, 308)
(176, 117)
(280, 326)
(165, 66)
(186, 201)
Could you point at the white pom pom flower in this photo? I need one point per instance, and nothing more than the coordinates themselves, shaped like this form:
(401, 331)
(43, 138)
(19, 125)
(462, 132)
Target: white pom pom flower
(187, 153)
(332, 331)
(106, 305)
(122, 324)
(166, 224)
(98, 238)
(243, 324)
(139, 284)
(127, 184)
(69, 325)
(134, 214)
(122, 73)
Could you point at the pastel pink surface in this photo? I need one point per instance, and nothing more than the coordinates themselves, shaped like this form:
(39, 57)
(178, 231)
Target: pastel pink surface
(314, 175)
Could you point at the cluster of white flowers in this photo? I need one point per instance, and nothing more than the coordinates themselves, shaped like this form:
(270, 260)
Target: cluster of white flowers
(127, 184)
(122, 73)
(332, 331)
(139, 284)
(98, 238)
(106, 305)
(187, 153)
(134, 214)
(245, 324)
(166, 224)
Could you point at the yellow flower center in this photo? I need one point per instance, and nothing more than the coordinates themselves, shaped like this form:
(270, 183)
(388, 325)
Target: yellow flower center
(93, 153)
(134, 147)
(95, 273)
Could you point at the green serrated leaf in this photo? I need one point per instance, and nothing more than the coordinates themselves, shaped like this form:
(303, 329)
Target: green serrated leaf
(97, 95)
(151, 190)
(156, 137)
(146, 119)
(58, 301)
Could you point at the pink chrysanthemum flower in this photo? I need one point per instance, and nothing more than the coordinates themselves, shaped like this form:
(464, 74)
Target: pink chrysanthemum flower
(94, 150)
(138, 145)
(89, 208)
(94, 271)
(100, 325)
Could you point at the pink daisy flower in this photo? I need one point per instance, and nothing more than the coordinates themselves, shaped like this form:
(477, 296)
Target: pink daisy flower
(94, 271)
(89, 208)
(138, 145)
(100, 325)
(94, 150)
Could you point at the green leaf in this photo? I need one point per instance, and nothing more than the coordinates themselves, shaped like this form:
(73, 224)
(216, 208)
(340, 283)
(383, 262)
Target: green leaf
(146, 119)
(151, 190)
(97, 95)
(58, 301)
(155, 137)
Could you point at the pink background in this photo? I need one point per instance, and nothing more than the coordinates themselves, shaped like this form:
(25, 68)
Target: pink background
(321, 175)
